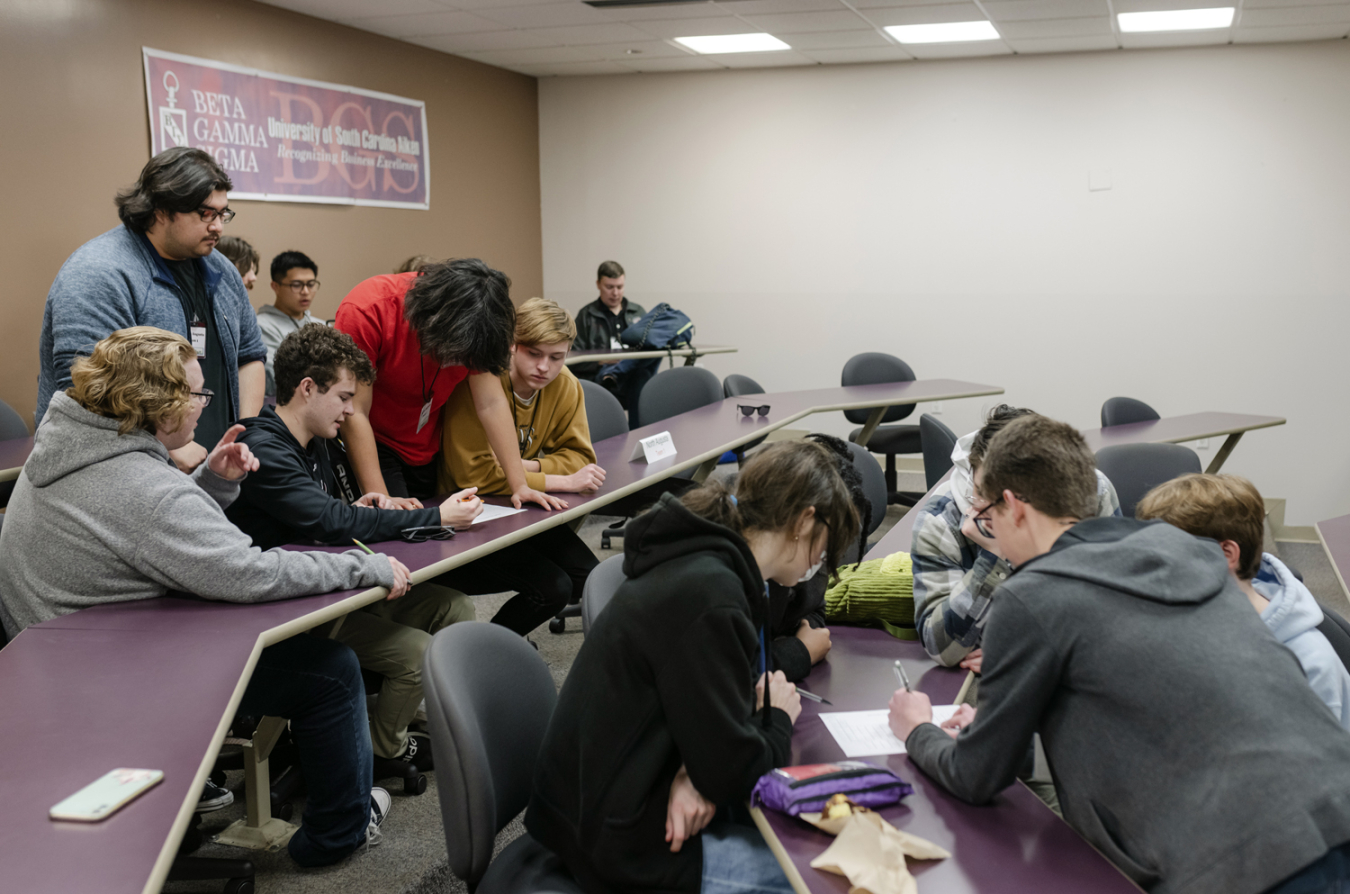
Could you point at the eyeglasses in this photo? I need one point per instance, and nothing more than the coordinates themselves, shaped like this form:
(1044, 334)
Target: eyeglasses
(425, 533)
(748, 410)
(204, 396)
(209, 215)
(308, 285)
(982, 517)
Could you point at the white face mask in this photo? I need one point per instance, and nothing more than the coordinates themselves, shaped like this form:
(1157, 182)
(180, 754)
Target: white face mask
(814, 569)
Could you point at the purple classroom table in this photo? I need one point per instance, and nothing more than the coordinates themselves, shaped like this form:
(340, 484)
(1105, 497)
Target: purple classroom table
(1012, 845)
(13, 454)
(1335, 536)
(690, 354)
(1191, 427)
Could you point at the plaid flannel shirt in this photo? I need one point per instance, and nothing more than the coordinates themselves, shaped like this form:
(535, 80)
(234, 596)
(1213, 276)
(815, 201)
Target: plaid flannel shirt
(954, 580)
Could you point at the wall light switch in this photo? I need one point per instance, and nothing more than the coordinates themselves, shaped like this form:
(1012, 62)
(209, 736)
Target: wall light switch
(1099, 179)
(1202, 444)
(935, 408)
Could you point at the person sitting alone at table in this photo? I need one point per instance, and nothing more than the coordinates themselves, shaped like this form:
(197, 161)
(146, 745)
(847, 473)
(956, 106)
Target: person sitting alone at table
(100, 514)
(292, 498)
(1228, 509)
(1185, 743)
(548, 409)
(661, 725)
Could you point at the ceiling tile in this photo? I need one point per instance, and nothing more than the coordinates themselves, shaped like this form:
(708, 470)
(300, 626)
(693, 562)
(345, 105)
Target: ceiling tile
(1160, 5)
(1022, 10)
(474, 5)
(1054, 28)
(837, 40)
(545, 15)
(926, 15)
(1034, 45)
(483, 41)
(1263, 4)
(696, 27)
(770, 7)
(536, 56)
(1293, 15)
(653, 13)
(1290, 32)
(775, 59)
(797, 22)
(425, 24)
(860, 54)
(1138, 41)
(564, 69)
(581, 35)
(958, 50)
(332, 10)
(647, 49)
(864, 6)
(685, 63)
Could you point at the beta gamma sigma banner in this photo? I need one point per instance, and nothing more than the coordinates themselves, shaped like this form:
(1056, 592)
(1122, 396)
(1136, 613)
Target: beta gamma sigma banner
(284, 139)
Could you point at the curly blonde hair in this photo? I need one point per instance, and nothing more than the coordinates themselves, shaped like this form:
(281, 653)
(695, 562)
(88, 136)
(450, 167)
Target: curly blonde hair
(137, 377)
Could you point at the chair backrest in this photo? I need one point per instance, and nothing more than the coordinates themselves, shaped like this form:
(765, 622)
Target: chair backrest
(604, 579)
(677, 391)
(874, 483)
(735, 385)
(1337, 631)
(1124, 410)
(938, 443)
(11, 423)
(1135, 469)
(875, 369)
(489, 700)
(605, 416)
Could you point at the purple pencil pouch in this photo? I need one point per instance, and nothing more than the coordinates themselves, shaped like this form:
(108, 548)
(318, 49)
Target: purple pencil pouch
(805, 789)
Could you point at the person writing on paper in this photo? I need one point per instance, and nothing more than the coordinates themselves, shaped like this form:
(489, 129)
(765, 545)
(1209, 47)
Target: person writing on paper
(1184, 740)
(627, 786)
(292, 497)
(100, 514)
(548, 409)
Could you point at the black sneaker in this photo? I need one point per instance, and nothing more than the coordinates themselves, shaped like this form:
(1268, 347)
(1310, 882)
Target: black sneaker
(214, 797)
(419, 752)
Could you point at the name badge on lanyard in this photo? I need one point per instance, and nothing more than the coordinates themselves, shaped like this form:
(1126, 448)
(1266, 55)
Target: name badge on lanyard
(198, 332)
(425, 417)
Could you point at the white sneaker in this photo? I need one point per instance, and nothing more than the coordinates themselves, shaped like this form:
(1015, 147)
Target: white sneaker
(380, 802)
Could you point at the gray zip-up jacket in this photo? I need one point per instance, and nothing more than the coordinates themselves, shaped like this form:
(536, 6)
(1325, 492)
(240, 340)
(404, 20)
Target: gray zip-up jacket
(101, 517)
(1185, 742)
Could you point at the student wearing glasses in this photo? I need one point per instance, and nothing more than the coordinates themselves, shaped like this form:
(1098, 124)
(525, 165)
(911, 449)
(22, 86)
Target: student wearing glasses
(100, 515)
(295, 283)
(160, 268)
(295, 496)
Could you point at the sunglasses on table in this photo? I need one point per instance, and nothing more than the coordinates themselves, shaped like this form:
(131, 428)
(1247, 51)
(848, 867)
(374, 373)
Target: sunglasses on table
(750, 410)
(426, 532)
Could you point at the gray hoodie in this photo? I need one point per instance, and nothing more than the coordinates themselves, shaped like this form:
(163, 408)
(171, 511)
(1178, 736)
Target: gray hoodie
(102, 517)
(1185, 743)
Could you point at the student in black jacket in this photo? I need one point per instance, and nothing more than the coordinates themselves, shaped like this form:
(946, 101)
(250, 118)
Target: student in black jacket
(294, 497)
(626, 782)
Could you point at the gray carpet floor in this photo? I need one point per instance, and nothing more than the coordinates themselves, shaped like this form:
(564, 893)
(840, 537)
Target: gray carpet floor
(412, 858)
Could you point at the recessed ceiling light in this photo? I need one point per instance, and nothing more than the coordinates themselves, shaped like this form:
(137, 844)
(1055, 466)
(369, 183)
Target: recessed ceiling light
(733, 43)
(1177, 19)
(946, 32)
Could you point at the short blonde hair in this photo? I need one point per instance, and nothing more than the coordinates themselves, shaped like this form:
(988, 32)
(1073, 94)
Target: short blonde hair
(137, 377)
(1220, 507)
(542, 321)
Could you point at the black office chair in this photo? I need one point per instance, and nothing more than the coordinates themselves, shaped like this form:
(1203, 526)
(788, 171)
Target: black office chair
(938, 443)
(1135, 469)
(489, 700)
(11, 427)
(888, 440)
(600, 587)
(1124, 410)
(739, 386)
(1337, 631)
(605, 416)
(874, 487)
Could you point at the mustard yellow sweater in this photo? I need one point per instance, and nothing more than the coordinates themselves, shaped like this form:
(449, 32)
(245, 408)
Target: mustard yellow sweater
(554, 423)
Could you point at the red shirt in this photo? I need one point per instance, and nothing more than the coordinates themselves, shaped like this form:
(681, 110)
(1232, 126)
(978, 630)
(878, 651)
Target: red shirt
(372, 314)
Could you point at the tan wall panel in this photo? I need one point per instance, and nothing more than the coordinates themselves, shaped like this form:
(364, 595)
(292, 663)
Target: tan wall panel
(72, 103)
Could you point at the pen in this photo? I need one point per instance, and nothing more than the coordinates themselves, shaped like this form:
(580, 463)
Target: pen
(812, 696)
(900, 675)
(363, 546)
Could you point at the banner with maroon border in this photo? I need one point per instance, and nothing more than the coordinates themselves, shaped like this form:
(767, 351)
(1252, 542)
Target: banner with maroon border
(284, 139)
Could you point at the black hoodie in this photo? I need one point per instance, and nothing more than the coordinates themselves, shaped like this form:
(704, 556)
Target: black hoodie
(290, 498)
(666, 677)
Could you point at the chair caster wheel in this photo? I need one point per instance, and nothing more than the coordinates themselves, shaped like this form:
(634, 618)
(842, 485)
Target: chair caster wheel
(283, 810)
(557, 625)
(604, 541)
(415, 785)
(239, 886)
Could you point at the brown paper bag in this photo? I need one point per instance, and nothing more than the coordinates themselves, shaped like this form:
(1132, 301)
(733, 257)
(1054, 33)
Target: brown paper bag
(870, 853)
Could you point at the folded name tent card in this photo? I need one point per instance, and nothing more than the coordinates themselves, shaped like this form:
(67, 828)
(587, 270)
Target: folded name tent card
(658, 446)
(867, 733)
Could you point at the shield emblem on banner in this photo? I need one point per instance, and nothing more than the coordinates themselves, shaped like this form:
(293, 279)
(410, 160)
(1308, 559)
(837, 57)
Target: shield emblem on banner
(172, 120)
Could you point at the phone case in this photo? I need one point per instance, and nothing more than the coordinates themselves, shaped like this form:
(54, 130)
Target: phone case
(106, 795)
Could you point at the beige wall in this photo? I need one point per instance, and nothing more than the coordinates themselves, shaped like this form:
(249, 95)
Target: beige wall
(72, 102)
(941, 211)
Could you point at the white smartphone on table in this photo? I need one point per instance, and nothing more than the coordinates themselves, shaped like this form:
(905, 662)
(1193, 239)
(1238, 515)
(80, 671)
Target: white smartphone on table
(106, 795)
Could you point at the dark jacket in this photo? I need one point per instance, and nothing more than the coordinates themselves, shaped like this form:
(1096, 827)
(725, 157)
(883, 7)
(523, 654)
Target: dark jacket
(593, 328)
(1184, 740)
(666, 677)
(290, 497)
(788, 607)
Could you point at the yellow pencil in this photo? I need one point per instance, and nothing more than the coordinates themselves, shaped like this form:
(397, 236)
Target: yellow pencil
(363, 546)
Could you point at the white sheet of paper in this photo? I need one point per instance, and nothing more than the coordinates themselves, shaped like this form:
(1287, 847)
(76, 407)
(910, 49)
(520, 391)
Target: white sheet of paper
(866, 733)
(491, 511)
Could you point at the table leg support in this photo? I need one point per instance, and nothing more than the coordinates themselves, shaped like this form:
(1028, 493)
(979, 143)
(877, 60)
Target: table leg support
(1222, 456)
(705, 469)
(871, 426)
(259, 830)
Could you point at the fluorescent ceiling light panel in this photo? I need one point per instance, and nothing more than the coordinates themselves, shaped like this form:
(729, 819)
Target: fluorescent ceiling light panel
(946, 32)
(733, 43)
(1177, 20)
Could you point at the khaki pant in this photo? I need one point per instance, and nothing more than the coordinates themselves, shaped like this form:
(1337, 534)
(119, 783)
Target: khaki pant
(389, 638)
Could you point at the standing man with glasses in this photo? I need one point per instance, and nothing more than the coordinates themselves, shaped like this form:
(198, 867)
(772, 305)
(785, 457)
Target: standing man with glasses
(160, 268)
(295, 282)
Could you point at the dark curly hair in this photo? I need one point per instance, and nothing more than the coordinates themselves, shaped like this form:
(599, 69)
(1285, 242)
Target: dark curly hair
(319, 353)
(178, 180)
(462, 313)
(853, 480)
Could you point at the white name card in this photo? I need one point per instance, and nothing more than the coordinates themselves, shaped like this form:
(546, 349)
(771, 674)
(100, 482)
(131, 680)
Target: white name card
(658, 446)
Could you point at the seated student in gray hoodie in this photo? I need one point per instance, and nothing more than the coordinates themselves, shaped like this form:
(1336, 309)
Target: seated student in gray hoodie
(1228, 509)
(101, 514)
(1184, 741)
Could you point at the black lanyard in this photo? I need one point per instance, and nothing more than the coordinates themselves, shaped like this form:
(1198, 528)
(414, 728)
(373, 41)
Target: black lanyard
(523, 440)
(422, 368)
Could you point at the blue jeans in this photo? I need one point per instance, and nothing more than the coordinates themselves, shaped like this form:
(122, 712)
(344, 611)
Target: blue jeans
(632, 375)
(1329, 875)
(737, 861)
(316, 684)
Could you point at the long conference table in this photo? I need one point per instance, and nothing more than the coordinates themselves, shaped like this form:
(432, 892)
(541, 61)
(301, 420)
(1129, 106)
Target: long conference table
(158, 681)
(690, 354)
